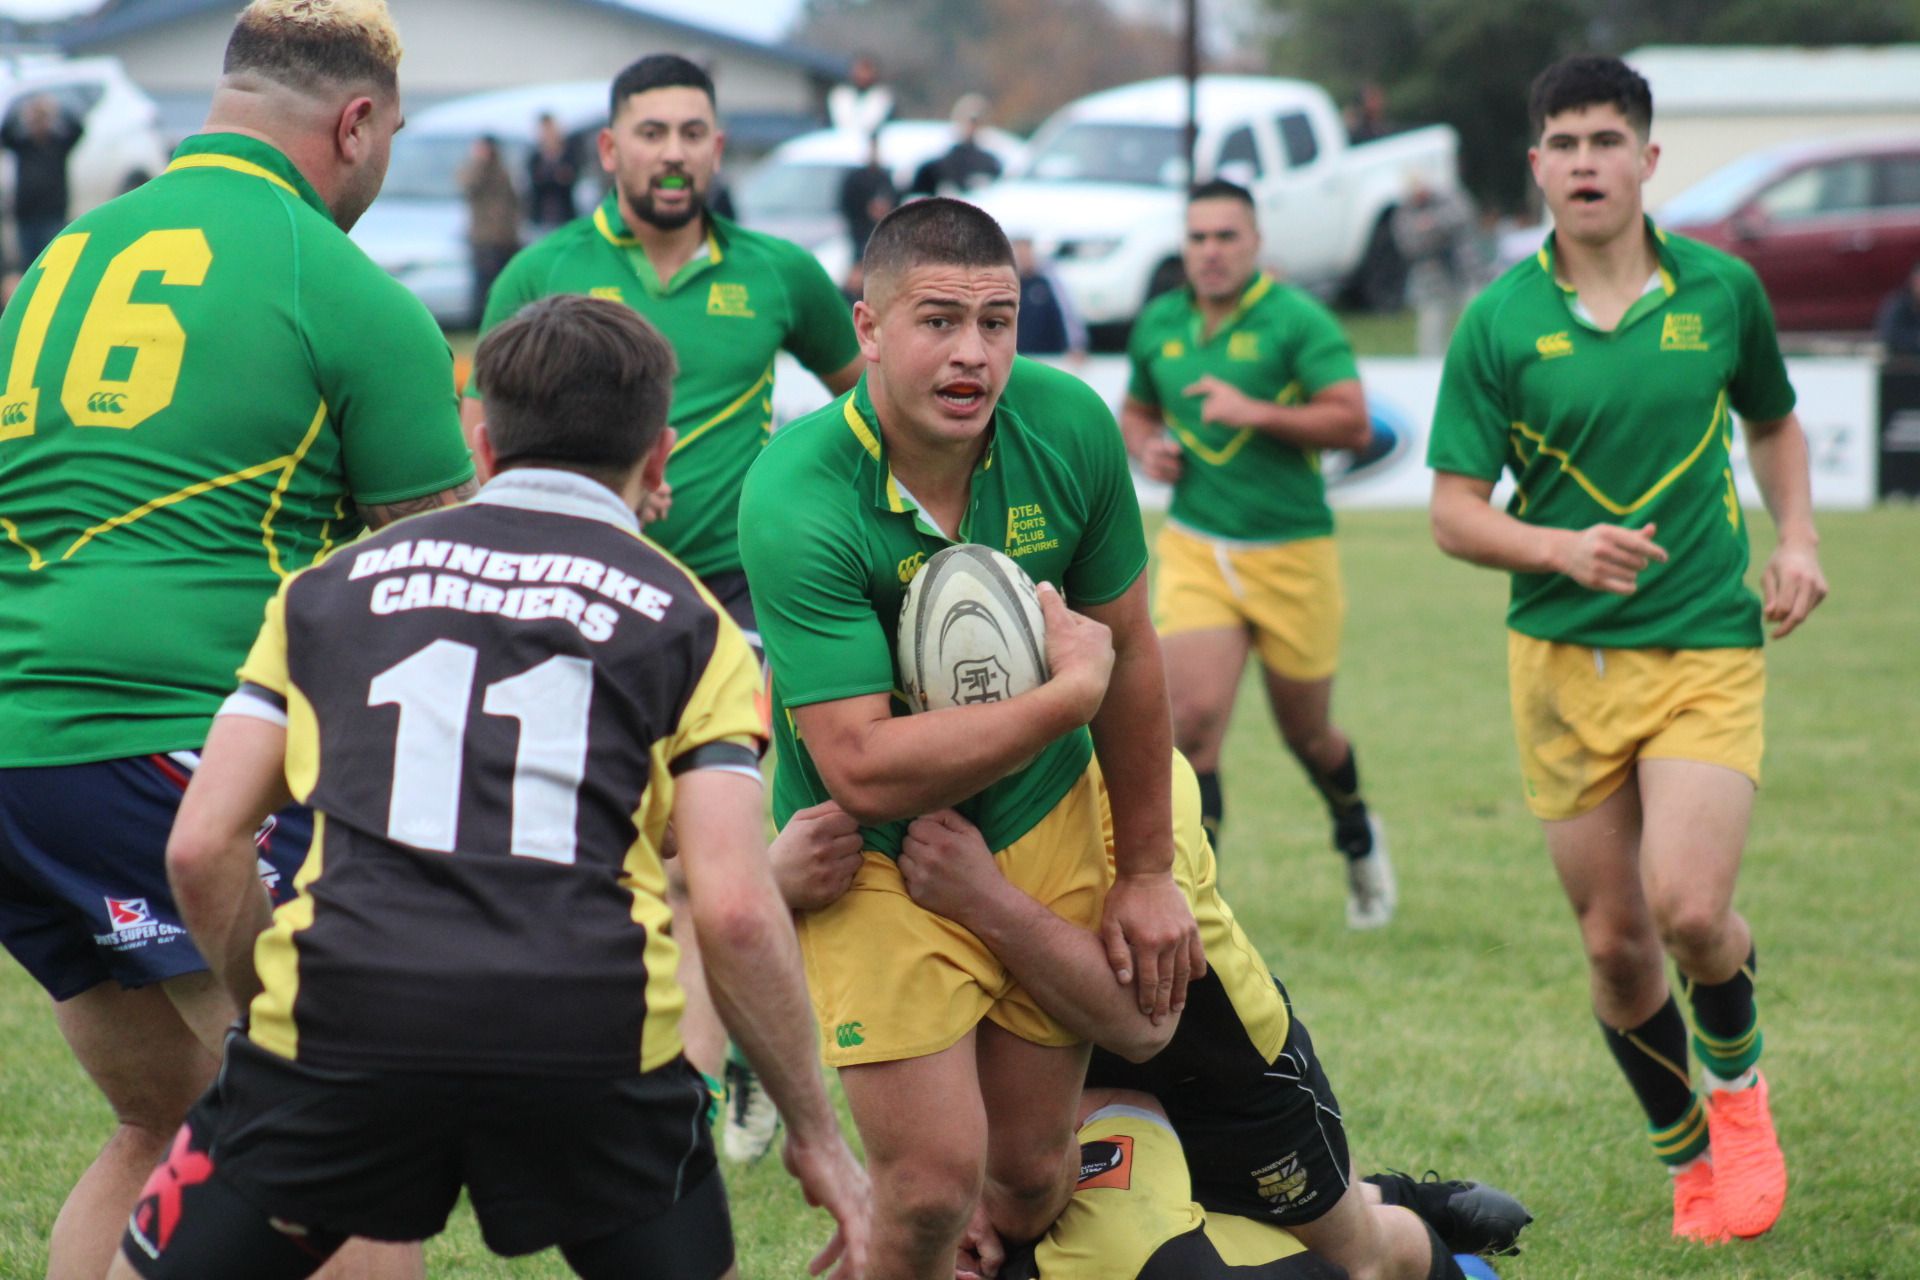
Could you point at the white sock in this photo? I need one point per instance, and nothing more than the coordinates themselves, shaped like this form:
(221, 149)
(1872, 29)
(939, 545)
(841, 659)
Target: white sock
(1676, 1170)
(1745, 1080)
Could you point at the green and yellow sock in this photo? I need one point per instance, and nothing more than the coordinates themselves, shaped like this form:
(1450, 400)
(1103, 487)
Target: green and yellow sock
(1726, 1022)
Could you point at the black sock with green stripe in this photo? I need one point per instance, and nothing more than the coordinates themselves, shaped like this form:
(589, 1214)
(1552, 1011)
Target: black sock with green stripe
(1653, 1058)
(1212, 806)
(1726, 1021)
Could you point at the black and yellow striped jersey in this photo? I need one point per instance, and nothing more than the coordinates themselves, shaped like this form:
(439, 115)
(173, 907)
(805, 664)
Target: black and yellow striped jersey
(486, 707)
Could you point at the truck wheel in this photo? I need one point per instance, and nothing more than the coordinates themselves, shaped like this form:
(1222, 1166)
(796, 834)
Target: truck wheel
(1379, 283)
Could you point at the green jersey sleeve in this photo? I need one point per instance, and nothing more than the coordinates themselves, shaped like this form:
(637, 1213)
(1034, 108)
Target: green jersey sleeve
(387, 377)
(1759, 391)
(1325, 356)
(1470, 419)
(1113, 550)
(820, 328)
(810, 594)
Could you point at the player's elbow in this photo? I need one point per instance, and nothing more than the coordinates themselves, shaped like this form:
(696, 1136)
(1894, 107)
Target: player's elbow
(736, 918)
(1356, 430)
(193, 857)
(857, 782)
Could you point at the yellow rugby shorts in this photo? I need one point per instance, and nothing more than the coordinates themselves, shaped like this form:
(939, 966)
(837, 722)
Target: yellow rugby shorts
(891, 980)
(1288, 594)
(1583, 716)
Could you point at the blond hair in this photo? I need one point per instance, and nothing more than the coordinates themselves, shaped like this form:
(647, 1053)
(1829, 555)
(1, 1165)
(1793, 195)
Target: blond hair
(311, 44)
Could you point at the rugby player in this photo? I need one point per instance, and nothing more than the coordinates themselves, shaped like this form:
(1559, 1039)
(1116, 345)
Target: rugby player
(947, 439)
(1604, 373)
(1236, 1072)
(1133, 1216)
(208, 387)
(1238, 382)
(729, 300)
(494, 712)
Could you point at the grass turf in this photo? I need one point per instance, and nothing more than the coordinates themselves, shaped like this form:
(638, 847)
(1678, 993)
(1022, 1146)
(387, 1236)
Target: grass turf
(1459, 1038)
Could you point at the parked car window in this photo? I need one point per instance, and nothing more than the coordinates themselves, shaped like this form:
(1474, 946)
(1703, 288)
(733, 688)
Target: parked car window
(1239, 150)
(1840, 187)
(1296, 135)
(782, 188)
(1148, 155)
(1900, 182)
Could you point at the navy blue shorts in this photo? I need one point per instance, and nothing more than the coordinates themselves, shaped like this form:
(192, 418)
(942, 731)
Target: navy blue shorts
(83, 871)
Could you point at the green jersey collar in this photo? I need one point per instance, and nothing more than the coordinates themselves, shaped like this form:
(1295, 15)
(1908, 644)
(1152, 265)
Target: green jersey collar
(612, 226)
(1667, 269)
(250, 156)
(1257, 288)
(888, 493)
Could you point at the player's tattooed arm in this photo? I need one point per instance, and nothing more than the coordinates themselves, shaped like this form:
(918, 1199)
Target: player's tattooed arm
(380, 514)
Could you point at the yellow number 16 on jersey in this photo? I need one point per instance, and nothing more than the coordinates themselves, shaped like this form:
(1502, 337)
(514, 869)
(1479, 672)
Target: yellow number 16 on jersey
(113, 320)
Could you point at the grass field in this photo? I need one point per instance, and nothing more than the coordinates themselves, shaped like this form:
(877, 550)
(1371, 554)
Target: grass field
(1459, 1038)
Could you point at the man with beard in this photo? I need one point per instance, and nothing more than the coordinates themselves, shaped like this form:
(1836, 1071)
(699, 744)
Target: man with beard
(729, 300)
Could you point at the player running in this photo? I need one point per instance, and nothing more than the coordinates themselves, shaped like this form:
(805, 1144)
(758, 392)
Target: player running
(948, 439)
(1238, 383)
(208, 387)
(729, 300)
(494, 712)
(1604, 373)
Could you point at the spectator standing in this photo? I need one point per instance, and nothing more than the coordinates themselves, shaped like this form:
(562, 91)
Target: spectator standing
(867, 194)
(493, 216)
(1048, 325)
(1899, 323)
(551, 173)
(1366, 115)
(41, 137)
(966, 166)
(863, 104)
(1431, 229)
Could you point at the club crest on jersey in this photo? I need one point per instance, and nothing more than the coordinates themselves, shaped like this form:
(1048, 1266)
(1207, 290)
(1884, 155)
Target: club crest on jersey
(1243, 346)
(728, 300)
(1682, 331)
(981, 680)
(128, 913)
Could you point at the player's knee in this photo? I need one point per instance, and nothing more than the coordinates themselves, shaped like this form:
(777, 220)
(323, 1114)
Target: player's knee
(1620, 962)
(1199, 721)
(1691, 928)
(1034, 1186)
(929, 1201)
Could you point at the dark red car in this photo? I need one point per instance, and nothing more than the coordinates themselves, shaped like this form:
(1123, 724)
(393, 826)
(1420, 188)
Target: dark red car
(1832, 227)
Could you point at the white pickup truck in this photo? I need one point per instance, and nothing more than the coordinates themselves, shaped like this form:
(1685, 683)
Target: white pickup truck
(1104, 185)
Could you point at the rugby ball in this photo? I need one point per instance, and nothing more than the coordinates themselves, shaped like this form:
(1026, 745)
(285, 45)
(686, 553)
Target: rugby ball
(970, 631)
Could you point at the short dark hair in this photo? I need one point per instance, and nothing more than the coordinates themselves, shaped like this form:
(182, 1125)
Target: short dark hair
(938, 231)
(1590, 80)
(1220, 189)
(316, 47)
(575, 382)
(659, 71)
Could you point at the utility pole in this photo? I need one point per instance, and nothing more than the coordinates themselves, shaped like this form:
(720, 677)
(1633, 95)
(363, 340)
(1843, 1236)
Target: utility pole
(1191, 54)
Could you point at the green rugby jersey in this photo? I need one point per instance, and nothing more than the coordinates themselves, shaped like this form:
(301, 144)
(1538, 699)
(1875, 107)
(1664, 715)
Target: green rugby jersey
(203, 377)
(1279, 344)
(1629, 427)
(830, 542)
(727, 313)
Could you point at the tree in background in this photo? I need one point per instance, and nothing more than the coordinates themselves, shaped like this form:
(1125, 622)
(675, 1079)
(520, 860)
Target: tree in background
(1469, 62)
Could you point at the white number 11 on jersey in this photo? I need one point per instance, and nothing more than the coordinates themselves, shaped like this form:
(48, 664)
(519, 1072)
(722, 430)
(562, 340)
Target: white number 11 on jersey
(434, 691)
